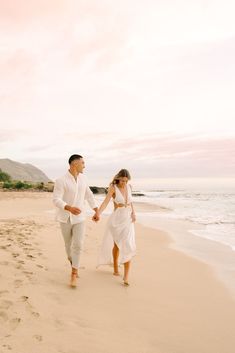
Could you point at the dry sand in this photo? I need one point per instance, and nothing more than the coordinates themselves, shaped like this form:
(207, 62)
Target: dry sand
(173, 305)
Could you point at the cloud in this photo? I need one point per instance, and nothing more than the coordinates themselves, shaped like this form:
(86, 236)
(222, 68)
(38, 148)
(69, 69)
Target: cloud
(8, 136)
(21, 13)
(153, 155)
(89, 59)
(165, 156)
(138, 84)
(146, 155)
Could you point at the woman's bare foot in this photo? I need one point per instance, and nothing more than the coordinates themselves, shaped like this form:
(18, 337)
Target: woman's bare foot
(116, 274)
(126, 282)
(73, 281)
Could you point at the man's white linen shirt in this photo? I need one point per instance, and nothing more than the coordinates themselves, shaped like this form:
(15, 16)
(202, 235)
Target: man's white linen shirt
(68, 191)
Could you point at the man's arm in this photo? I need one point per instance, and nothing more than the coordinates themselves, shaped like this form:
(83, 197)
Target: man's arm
(90, 199)
(73, 210)
(58, 194)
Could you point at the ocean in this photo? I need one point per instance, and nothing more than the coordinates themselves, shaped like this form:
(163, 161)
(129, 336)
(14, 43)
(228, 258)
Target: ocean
(213, 209)
(206, 202)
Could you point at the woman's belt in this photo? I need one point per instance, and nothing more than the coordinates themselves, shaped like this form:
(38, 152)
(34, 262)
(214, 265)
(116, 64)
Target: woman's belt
(121, 204)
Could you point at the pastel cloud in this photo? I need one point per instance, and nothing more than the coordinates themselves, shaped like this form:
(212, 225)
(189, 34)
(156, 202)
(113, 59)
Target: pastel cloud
(138, 83)
(24, 12)
(150, 155)
(7, 136)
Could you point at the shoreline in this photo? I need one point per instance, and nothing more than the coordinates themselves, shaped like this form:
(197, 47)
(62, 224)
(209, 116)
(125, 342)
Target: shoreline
(220, 257)
(174, 302)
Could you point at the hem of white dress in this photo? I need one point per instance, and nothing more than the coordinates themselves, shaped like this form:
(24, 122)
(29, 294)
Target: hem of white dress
(120, 263)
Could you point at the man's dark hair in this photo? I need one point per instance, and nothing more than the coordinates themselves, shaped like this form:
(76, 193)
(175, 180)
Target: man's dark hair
(74, 157)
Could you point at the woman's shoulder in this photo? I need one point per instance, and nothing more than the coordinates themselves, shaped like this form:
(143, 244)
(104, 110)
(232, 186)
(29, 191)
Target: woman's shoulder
(111, 188)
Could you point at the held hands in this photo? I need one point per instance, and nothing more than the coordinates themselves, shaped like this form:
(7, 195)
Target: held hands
(96, 217)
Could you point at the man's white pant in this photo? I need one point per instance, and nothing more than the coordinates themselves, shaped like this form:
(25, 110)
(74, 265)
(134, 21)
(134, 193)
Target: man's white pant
(74, 235)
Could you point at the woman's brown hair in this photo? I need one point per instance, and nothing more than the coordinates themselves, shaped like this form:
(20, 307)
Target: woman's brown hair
(123, 173)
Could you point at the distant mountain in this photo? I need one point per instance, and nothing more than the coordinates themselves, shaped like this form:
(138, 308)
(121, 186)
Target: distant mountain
(22, 171)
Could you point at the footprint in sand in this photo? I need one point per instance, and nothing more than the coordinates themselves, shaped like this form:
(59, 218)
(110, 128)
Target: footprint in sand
(15, 322)
(5, 304)
(38, 338)
(4, 263)
(19, 267)
(31, 257)
(15, 254)
(40, 266)
(7, 347)
(24, 298)
(30, 308)
(3, 316)
(28, 272)
(18, 283)
(21, 236)
(3, 292)
(35, 314)
(25, 244)
(27, 249)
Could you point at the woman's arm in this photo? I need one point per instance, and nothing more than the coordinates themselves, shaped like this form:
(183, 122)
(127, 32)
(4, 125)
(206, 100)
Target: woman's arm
(104, 204)
(133, 217)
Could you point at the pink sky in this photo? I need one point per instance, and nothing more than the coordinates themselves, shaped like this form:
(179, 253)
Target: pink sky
(145, 84)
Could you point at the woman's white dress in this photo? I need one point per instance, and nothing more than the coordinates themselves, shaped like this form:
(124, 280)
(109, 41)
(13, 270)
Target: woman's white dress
(119, 230)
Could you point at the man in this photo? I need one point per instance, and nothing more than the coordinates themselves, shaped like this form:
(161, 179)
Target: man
(69, 195)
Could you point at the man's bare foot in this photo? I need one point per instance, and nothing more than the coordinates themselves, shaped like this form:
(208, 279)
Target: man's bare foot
(71, 266)
(73, 281)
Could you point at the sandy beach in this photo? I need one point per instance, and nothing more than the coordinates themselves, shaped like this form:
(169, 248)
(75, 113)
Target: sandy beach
(175, 303)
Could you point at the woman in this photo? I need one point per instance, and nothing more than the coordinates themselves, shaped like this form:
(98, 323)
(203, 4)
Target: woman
(118, 244)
